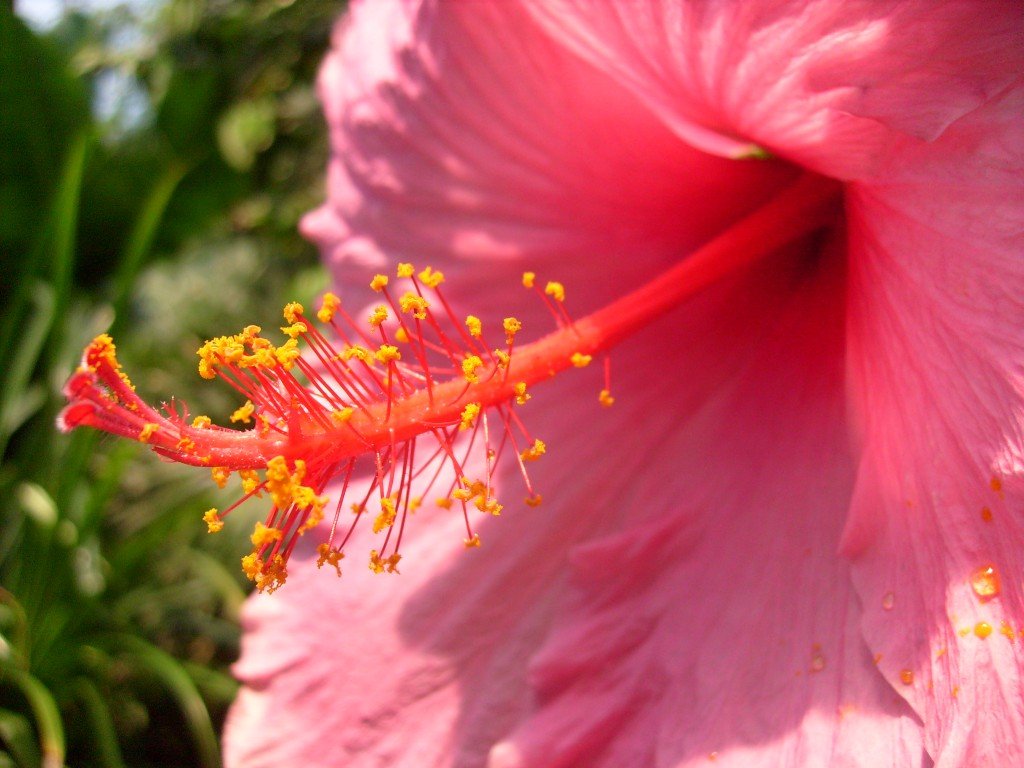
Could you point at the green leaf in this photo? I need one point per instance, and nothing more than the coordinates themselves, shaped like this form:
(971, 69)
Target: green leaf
(163, 667)
(44, 710)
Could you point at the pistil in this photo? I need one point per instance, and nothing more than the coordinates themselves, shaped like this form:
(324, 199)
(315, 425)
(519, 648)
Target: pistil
(414, 373)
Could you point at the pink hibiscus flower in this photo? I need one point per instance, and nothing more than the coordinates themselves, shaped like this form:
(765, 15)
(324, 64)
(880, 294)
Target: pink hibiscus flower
(797, 536)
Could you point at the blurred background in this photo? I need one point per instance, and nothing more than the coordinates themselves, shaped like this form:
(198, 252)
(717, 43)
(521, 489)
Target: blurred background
(155, 158)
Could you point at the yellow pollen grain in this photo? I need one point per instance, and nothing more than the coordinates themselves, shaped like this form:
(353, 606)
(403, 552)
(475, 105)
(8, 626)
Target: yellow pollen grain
(431, 277)
(605, 398)
(907, 676)
(534, 452)
(580, 360)
(1007, 631)
(995, 483)
(555, 291)
(244, 413)
(250, 480)
(472, 542)
(343, 415)
(379, 282)
(519, 390)
(528, 279)
(220, 475)
(294, 330)
(469, 414)
(292, 312)
(147, 432)
(262, 535)
(986, 514)
(503, 358)
(476, 328)
(379, 316)
(380, 565)
(201, 422)
(512, 326)
(212, 520)
(413, 304)
(469, 368)
(287, 354)
(329, 305)
(329, 556)
(186, 444)
(982, 629)
(387, 515)
(358, 352)
(405, 269)
(388, 354)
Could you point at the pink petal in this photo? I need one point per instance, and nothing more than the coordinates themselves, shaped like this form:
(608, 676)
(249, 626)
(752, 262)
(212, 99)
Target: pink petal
(724, 627)
(822, 83)
(937, 353)
(462, 145)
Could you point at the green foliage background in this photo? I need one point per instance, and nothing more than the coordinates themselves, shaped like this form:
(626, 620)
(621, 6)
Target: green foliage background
(165, 217)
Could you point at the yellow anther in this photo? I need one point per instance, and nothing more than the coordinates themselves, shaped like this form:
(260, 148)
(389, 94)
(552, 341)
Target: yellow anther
(244, 413)
(378, 316)
(357, 508)
(273, 575)
(328, 306)
(469, 414)
(220, 475)
(405, 269)
(401, 336)
(431, 277)
(533, 501)
(387, 515)
(287, 354)
(503, 358)
(534, 452)
(520, 392)
(250, 480)
(212, 520)
(186, 444)
(414, 304)
(343, 415)
(292, 312)
(358, 352)
(512, 326)
(580, 360)
(262, 535)
(328, 556)
(444, 502)
(147, 432)
(252, 566)
(379, 282)
(388, 354)
(528, 279)
(470, 366)
(294, 330)
(201, 422)
(555, 291)
(462, 494)
(379, 564)
(475, 326)
(473, 541)
(488, 505)
(415, 503)
(605, 398)
(282, 483)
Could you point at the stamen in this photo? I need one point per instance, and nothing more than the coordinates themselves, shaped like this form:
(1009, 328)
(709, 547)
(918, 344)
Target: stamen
(366, 403)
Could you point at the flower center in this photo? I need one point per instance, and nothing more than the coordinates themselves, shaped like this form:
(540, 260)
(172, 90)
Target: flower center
(414, 379)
